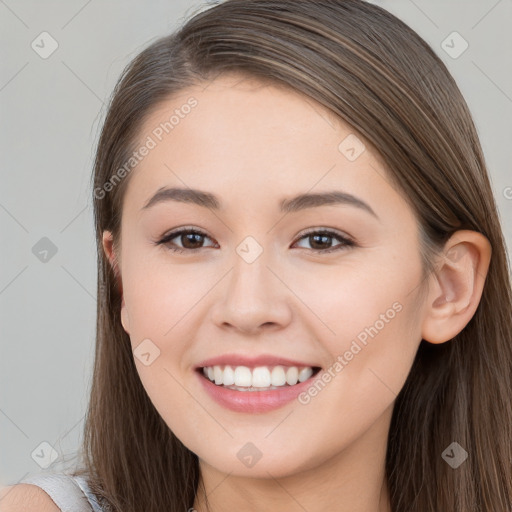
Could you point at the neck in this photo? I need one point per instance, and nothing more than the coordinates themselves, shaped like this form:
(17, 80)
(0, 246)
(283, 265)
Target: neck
(352, 480)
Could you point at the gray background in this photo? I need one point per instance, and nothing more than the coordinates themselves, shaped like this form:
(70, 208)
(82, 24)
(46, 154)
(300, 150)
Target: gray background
(51, 112)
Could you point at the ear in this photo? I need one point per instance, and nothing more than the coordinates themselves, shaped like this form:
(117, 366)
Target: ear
(456, 287)
(108, 247)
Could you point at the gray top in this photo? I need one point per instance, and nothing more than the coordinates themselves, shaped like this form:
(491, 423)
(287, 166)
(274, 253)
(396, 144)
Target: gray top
(70, 493)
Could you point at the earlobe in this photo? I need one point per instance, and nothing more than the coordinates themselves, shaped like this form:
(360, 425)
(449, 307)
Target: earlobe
(124, 317)
(456, 287)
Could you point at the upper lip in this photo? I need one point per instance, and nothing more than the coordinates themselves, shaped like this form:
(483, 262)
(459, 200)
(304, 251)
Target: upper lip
(261, 360)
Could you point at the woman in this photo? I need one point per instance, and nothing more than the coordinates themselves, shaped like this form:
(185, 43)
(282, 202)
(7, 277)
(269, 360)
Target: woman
(303, 294)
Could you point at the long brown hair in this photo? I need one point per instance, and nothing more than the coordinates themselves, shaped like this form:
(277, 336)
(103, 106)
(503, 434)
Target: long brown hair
(378, 75)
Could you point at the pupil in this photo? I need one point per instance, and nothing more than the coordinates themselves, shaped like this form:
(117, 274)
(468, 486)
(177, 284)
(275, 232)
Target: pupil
(193, 237)
(324, 238)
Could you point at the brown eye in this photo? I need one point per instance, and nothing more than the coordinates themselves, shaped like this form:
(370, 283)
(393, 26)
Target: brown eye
(190, 240)
(321, 241)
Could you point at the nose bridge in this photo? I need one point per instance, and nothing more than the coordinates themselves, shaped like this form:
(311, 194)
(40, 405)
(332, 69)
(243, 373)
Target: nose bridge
(250, 285)
(250, 274)
(253, 296)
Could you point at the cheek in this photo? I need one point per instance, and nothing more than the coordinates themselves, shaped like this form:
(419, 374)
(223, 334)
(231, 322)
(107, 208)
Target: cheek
(360, 299)
(159, 301)
(159, 296)
(371, 358)
(370, 326)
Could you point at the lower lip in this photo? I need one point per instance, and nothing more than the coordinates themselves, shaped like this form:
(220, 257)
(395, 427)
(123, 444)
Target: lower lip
(253, 401)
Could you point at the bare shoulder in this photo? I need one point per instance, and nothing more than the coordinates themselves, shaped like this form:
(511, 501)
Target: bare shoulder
(22, 497)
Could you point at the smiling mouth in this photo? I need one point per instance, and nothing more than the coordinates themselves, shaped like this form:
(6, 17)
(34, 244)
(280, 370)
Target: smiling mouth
(259, 378)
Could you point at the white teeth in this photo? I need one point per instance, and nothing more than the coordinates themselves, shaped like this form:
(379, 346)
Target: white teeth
(243, 378)
(292, 375)
(261, 377)
(218, 374)
(278, 376)
(305, 373)
(229, 376)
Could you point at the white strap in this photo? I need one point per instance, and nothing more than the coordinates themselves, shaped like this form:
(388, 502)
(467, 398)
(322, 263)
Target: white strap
(63, 490)
(82, 483)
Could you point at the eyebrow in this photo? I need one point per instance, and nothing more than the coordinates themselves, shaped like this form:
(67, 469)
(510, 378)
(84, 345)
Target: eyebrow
(294, 204)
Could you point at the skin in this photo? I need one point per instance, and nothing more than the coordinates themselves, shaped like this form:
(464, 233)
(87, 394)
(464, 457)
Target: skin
(268, 144)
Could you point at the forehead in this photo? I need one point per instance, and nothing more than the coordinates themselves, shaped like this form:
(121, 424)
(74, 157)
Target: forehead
(243, 106)
(237, 132)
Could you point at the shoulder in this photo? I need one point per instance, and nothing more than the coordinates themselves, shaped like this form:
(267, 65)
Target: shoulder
(22, 497)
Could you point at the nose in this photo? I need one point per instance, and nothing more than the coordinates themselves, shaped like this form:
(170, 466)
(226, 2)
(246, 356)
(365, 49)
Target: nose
(253, 298)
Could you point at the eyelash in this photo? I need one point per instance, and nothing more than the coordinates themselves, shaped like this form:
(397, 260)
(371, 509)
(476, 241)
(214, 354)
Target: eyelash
(345, 241)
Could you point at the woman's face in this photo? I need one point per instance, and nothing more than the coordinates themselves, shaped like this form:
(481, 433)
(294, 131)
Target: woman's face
(263, 286)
